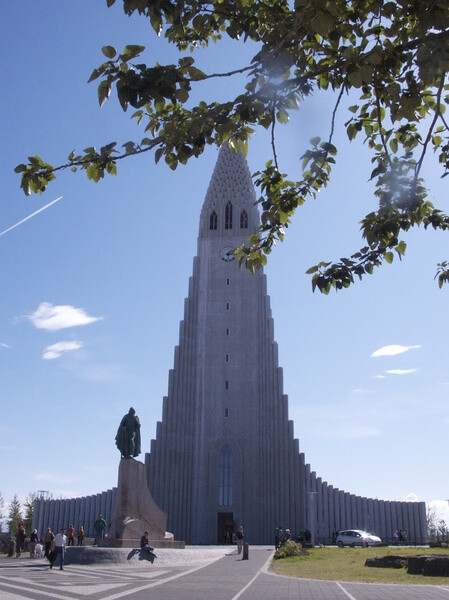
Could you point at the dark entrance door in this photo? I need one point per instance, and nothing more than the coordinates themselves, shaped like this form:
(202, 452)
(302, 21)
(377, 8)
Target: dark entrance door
(225, 527)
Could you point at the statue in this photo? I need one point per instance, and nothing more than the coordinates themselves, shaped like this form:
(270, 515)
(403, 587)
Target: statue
(127, 439)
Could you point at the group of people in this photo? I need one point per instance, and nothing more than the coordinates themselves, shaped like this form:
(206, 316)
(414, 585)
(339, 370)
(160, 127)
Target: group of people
(231, 537)
(54, 545)
(282, 536)
(400, 536)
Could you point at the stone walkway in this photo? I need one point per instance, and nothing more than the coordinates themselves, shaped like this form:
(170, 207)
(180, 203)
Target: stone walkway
(196, 573)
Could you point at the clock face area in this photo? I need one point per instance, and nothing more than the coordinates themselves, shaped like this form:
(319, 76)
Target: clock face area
(227, 254)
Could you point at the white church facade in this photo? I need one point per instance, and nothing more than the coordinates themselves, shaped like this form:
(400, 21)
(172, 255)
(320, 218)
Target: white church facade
(225, 451)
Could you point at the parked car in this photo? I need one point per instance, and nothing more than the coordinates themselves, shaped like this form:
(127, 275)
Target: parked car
(357, 537)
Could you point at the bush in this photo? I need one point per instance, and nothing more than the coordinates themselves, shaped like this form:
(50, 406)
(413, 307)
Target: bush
(289, 549)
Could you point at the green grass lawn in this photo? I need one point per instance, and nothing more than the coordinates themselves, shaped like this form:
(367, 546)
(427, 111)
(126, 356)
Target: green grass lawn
(348, 564)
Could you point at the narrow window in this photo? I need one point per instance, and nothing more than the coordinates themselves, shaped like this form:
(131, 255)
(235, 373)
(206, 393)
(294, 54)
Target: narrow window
(228, 281)
(225, 476)
(227, 358)
(228, 216)
(226, 385)
(243, 219)
(228, 306)
(213, 221)
(227, 330)
(226, 412)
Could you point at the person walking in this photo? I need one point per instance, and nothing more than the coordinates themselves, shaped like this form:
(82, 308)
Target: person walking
(99, 526)
(48, 538)
(80, 535)
(60, 543)
(71, 536)
(20, 540)
(277, 541)
(145, 546)
(34, 538)
(240, 534)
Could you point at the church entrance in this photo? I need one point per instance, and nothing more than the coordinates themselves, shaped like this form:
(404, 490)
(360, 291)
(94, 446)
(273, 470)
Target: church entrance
(225, 527)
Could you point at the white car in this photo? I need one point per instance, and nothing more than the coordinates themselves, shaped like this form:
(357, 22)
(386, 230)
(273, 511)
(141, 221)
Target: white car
(357, 537)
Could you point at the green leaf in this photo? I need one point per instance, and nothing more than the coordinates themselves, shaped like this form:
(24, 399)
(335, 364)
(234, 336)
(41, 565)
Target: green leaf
(132, 51)
(95, 74)
(388, 257)
(109, 51)
(104, 90)
(282, 116)
(312, 270)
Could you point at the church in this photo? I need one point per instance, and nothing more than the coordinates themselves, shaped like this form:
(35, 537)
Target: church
(225, 454)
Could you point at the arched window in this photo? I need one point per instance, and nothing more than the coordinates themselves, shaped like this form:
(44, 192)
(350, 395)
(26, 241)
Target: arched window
(225, 476)
(228, 216)
(213, 221)
(243, 219)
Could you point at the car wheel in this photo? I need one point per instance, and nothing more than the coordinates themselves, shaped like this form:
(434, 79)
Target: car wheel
(340, 544)
(351, 545)
(364, 544)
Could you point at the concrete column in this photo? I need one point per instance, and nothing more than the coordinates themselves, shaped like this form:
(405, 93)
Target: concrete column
(319, 511)
(71, 513)
(82, 514)
(56, 516)
(365, 513)
(354, 516)
(327, 527)
(376, 512)
(341, 496)
(359, 509)
(338, 520)
(92, 516)
(348, 512)
(382, 528)
(371, 518)
(331, 513)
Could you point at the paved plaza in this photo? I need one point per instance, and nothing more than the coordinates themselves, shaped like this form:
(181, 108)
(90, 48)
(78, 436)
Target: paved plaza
(196, 573)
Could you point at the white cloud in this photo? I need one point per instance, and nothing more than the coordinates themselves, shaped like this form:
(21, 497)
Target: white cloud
(54, 318)
(362, 391)
(51, 478)
(55, 350)
(378, 376)
(441, 509)
(3, 345)
(102, 372)
(412, 497)
(353, 432)
(393, 350)
(401, 371)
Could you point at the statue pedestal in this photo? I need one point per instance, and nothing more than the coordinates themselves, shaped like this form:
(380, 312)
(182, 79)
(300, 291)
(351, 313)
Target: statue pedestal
(135, 511)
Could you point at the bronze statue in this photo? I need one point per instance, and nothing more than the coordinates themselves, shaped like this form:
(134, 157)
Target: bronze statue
(127, 439)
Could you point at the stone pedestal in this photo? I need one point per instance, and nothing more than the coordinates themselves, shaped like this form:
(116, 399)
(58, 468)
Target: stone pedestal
(135, 511)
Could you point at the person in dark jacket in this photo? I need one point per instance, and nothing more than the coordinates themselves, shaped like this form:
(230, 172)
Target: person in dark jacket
(145, 546)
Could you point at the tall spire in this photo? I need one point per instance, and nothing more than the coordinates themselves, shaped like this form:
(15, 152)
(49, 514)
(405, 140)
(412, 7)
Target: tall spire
(230, 183)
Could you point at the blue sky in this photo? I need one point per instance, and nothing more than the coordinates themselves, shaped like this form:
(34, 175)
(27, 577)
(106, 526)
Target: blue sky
(92, 288)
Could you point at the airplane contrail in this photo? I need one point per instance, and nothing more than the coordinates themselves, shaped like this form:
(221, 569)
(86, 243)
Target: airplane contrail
(29, 216)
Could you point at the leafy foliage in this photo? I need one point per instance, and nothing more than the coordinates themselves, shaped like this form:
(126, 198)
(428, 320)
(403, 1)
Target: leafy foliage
(29, 510)
(437, 527)
(14, 515)
(393, 55)
(2, 512)
(290, 548)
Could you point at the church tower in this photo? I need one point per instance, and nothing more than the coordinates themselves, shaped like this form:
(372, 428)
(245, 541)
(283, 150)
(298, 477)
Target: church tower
(220, 453)
(225, 452)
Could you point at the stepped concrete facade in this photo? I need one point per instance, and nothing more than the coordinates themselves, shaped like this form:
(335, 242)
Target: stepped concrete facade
(225, 452)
